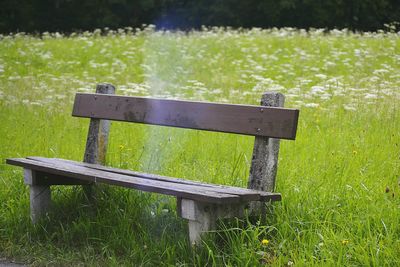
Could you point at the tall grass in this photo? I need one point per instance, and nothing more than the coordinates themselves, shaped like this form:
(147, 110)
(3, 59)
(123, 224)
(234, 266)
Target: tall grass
(339, 179)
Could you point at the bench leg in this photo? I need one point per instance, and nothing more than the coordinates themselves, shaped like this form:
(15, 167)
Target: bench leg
(40, 196)
(201, 216)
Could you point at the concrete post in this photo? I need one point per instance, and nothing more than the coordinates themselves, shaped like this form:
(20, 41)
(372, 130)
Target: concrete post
(264, 162)
(97, 139)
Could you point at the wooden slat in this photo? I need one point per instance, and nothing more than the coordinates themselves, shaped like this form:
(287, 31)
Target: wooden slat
(43, 178)
(92, 175)
(246, 194)
(240, 119)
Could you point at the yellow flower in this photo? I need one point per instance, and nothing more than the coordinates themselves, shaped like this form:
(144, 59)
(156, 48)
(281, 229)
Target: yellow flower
(121, 147)
(345, 242)
(265, 242)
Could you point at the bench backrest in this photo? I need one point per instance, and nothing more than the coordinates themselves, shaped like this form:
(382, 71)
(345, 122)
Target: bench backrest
(240, 119)
(269, 123)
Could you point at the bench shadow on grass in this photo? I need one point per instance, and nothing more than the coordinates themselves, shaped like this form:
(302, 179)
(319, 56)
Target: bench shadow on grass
(127, 226)
(121, 223)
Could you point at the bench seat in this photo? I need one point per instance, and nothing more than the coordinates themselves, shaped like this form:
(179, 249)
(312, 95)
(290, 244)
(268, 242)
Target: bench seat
(55, 171)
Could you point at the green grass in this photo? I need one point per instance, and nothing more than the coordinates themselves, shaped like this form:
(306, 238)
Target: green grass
(339, 179)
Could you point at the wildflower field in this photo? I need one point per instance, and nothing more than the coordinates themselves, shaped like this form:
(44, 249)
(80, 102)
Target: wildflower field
(339, 180)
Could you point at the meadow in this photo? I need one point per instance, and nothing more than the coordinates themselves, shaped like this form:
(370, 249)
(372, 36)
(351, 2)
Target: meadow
(340, 179)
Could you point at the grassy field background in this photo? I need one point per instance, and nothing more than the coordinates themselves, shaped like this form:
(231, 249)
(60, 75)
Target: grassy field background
(339, 179)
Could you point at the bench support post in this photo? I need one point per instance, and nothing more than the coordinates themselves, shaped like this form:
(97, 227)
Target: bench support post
(40, 196)
(201, 218)
(264, 162)
(97, 139)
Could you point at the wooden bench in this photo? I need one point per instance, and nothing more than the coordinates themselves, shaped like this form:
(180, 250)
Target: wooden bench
(200, 203)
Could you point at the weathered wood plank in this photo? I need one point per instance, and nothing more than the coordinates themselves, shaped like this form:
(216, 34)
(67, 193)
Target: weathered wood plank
(246, 194)
(44, 178)
(240, 119)
(97, 176)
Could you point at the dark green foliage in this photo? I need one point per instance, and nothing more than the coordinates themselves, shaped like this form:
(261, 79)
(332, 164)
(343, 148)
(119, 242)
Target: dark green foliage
(72, 15)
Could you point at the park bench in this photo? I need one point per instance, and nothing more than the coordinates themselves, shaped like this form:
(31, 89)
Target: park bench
(200, 203)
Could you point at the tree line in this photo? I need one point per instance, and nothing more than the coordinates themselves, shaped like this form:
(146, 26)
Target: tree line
(79, 15)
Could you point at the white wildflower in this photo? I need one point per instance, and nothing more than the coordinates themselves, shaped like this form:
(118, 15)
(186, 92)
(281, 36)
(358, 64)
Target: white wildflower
(311, 105)
(349, 107)
(321, 76)
(317, 89)
(370, 96)
(380, 71)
